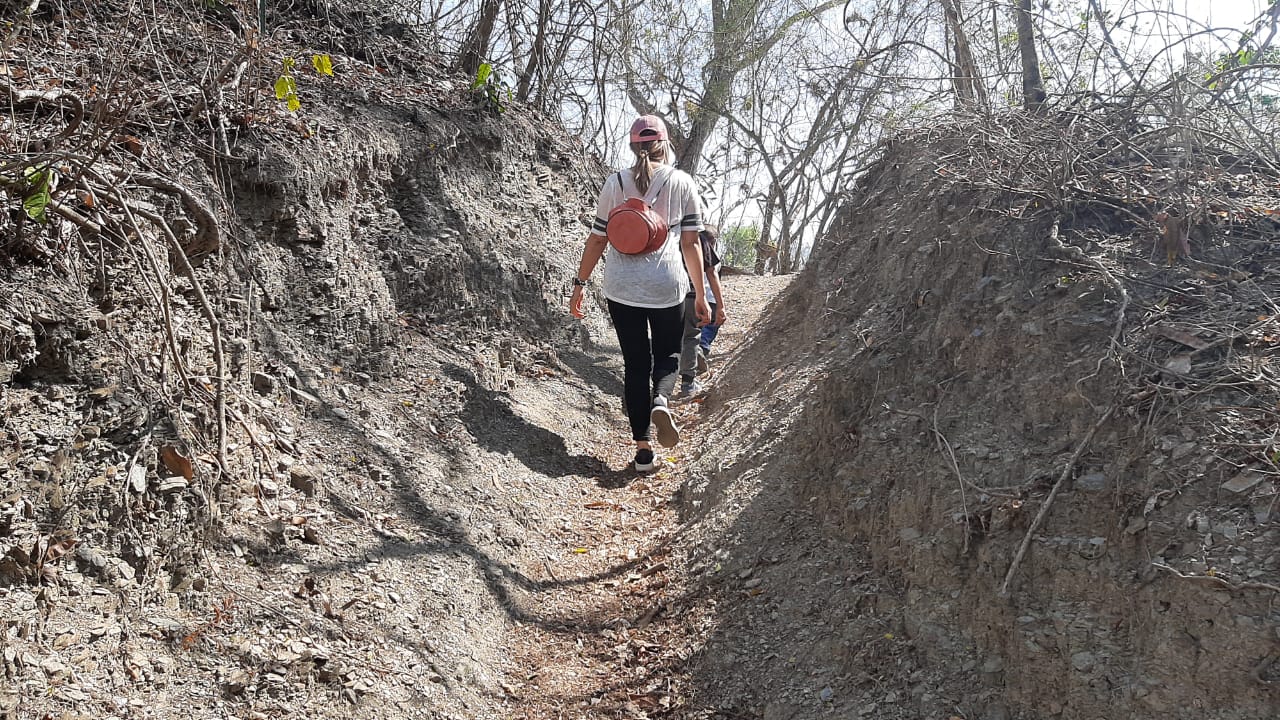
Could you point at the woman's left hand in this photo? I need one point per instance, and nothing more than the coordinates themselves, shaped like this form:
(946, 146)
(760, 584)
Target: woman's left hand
(575, 303)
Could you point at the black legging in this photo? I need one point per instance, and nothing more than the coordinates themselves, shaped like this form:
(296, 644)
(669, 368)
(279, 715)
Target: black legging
(644, 360)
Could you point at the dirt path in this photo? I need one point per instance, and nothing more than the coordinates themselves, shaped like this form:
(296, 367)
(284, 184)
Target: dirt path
(619, 634)
(460, 539)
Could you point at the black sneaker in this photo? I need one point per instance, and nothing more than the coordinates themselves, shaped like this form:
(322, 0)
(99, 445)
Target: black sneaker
(668, 433)
(645, 460)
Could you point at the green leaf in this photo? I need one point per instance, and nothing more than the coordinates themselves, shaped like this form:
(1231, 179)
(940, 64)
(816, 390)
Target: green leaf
(482, 75)
(288, 64)
(35, 204)
(284, 87)
(293, 103)
(323, 64)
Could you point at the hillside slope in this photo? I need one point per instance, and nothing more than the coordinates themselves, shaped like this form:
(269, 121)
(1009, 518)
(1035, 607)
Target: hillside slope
(954, 364)
(302, 507)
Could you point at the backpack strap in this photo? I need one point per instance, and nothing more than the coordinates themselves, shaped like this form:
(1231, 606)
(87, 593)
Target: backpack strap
(622, 190)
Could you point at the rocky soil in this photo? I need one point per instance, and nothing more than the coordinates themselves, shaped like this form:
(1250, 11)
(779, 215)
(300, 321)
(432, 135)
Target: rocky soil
(977, 461)
(950, 372)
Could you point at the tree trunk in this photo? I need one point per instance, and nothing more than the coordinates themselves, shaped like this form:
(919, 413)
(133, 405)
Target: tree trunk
(1033, 95)
(715, 98)
(536, 52)
(971, 94)
(763, 249)
(476, 48)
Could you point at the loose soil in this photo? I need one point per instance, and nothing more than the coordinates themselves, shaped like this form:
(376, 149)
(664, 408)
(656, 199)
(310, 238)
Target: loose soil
(421, 504)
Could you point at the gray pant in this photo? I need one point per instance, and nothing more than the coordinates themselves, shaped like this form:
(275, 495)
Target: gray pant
(692, 337)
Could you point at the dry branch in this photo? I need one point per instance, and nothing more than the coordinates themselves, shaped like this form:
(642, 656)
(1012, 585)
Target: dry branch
(1048, 501)
(20, 98)
(215, 327)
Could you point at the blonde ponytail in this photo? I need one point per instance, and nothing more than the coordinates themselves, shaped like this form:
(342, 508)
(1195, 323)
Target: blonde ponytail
(647, 153)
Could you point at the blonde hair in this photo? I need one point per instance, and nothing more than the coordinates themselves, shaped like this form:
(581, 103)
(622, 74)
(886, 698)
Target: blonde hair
(647, 152)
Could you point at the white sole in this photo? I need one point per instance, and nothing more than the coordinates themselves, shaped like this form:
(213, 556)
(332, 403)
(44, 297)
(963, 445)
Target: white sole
(668, 433)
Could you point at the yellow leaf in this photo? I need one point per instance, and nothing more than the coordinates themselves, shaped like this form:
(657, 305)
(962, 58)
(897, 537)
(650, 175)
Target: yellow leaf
(284, 86)
(579, 551)
(323, 64)
(294, 103)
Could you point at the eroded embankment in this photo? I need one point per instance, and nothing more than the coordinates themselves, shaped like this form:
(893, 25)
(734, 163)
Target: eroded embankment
(389, 281)
(885, 443)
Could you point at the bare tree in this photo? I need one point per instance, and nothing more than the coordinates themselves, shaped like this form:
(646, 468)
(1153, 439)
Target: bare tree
(1033, 95)
(742, 33)
(476, 48)
(971, 94)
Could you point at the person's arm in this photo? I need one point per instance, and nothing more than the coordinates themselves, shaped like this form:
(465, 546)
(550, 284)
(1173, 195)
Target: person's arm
(691, 249)
(717, 290)
(591, 254)
(596, 242)
(691, 246)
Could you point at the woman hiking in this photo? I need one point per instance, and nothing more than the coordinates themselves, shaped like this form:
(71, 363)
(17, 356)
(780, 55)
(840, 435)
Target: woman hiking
(646, 278)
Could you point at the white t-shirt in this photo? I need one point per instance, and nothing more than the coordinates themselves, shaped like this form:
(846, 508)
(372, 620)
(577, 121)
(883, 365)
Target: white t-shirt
(656, 279)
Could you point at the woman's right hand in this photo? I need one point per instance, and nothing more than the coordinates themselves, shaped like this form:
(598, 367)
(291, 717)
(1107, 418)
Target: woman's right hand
(575, 303)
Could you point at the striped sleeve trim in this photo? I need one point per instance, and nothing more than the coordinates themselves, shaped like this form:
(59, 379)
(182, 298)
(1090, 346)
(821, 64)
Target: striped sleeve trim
(599, 226)
(691, 222)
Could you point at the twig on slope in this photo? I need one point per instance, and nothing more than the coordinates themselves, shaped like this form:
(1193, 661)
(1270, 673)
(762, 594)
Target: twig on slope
(17, 98)
(1219, 582)
(1048, 501)
(215, 327)
(161, 292)
(1078, 255)
(944, 445)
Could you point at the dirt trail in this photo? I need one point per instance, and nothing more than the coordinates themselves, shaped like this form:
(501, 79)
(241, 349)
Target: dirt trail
(607, 632)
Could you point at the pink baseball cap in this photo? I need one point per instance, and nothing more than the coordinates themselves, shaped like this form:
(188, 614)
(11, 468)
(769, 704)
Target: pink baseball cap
(648, 127)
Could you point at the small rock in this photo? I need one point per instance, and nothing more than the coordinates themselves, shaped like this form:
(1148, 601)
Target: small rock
(263, 384)
(752, 583)
(1083, 661)
(826, 694)
(138, 478)
(236, 682)
(303, 479)
(91, 557)
(269, 487)
(997, 711)
(1243, 482)
(909, 534)
(1093, 482)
